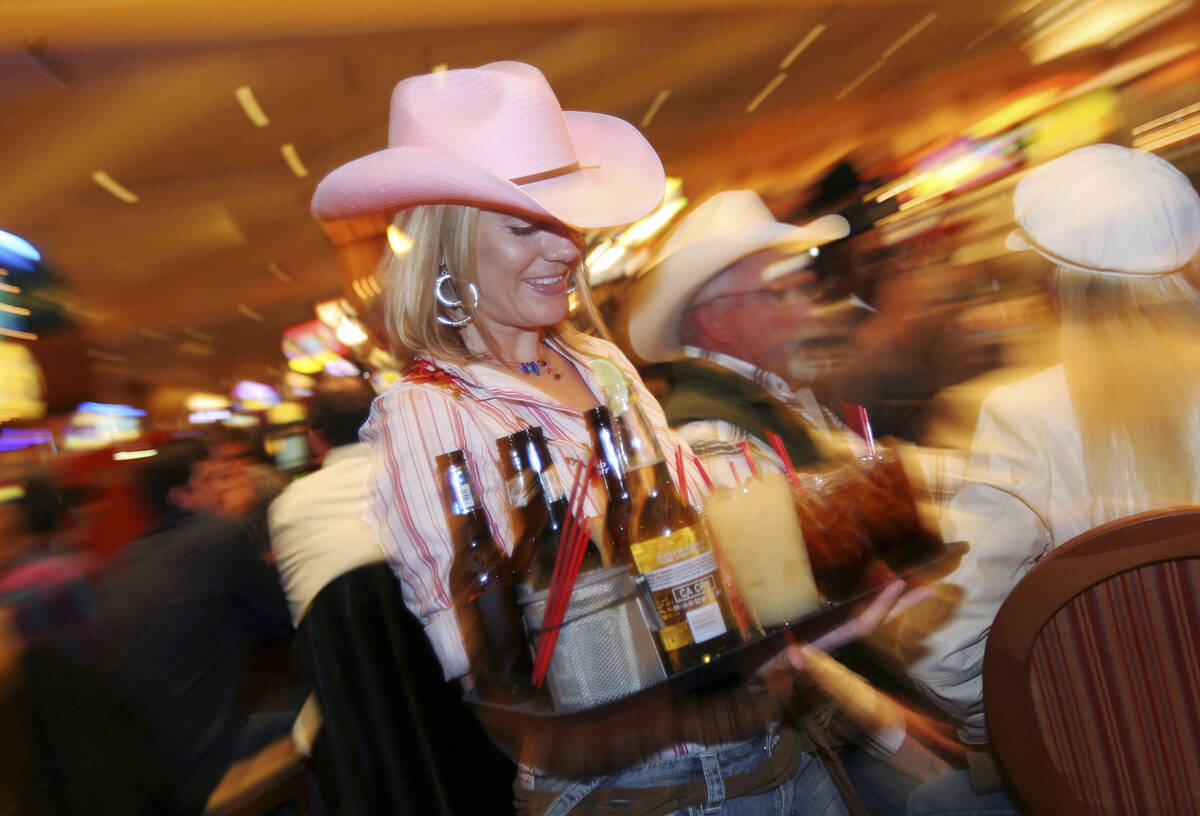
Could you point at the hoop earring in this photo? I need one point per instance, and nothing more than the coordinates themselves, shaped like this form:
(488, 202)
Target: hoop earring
(453, 303)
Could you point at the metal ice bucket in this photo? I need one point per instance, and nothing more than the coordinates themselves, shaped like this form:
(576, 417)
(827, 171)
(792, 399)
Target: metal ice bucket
(605, 648)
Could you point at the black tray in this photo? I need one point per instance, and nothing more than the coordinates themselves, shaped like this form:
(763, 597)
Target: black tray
(742, 659)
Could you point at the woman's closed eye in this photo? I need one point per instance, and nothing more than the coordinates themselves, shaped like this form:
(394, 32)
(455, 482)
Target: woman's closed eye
(523, 231)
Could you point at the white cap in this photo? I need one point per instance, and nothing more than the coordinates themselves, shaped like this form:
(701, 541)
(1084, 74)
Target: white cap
(1110, 210)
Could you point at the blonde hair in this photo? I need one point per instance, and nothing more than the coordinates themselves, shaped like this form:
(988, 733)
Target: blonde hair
(445, 233)
(1131, 353)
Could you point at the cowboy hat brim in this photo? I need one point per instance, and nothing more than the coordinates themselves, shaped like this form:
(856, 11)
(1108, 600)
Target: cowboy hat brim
(620, 179)
(672, 281)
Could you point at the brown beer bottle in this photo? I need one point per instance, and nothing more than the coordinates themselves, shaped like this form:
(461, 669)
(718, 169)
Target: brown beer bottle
(482, 589)
(669, 544)
(543, 517)
(618, 516)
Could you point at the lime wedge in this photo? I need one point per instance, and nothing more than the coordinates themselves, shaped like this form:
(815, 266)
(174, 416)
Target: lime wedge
(612, 380)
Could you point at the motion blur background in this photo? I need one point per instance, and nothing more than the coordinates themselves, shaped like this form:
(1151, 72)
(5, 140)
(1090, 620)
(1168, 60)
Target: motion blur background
(158, 158)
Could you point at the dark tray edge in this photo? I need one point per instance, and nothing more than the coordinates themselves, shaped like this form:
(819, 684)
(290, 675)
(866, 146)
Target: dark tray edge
(738, 661)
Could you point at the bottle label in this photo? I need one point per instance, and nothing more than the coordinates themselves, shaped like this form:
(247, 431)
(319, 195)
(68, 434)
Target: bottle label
(682, 574)
(464, 498)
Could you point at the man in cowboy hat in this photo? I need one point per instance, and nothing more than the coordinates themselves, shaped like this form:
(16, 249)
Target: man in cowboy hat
(731, 306)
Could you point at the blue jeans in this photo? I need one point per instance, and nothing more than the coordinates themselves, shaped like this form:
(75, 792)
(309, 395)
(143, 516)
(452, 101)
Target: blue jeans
(951, 795)
(883, 790)
(810, 791)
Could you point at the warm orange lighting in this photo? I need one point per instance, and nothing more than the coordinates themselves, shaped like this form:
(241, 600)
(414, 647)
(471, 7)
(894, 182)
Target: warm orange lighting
(288, 151)
(765, 92)
(114, 188)
(245, 98)
(398, 241)
(250, 313)
(652, 111)
(800, 47)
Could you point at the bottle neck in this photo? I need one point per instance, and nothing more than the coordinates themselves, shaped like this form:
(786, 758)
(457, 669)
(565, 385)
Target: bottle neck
(639, 447)
(611, 461)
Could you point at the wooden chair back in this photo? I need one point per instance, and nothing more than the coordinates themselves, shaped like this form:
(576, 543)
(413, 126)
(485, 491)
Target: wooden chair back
(1092, 672)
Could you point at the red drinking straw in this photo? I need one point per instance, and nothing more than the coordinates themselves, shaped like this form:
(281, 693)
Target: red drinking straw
(857, 419)
(789, 469)
(745, 448)
(865, 421)
(683, 491)
(567, 585)
(703, 474)
(572, 547)
(733, 470)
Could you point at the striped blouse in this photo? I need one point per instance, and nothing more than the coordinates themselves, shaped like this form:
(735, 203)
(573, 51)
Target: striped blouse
(468, 407)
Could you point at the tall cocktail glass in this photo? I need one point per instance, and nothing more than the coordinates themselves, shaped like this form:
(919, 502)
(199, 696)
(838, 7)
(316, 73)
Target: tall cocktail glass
(759, 535)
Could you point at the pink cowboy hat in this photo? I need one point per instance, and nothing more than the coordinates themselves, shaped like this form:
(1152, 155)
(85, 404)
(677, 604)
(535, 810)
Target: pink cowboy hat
(495, 136)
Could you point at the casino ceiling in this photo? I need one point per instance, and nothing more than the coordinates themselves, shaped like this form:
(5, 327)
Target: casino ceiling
(191, 283)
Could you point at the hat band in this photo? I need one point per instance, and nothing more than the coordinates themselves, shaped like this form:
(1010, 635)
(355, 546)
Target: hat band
(565, 170)
(1061, 261)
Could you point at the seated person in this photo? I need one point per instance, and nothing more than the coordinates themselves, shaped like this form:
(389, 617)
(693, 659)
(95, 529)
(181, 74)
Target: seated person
(317, 530)
(176, 612)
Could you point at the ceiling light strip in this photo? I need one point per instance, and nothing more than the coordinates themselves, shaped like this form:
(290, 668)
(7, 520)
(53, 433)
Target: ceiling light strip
(987, 32)
(1153, 21)
(844, 92)
(276, 270)
(196, 334)
(106, 356)
(908, 35)
(8, 287)
(652, 111)
(16, 334)
(250, 313)
(113, 187)
(245, 98)
(814, 32)
(293, 160)
(17, 310)
(765, 92)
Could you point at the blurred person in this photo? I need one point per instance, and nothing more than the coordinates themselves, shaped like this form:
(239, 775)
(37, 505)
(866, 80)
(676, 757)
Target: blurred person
(246, 481)
(176, 612)
(317, 530)
(316, 525)
(910, 343)
(731, 310)
(494, 183)
(1109, 432)
(47, 588)
(741, 340)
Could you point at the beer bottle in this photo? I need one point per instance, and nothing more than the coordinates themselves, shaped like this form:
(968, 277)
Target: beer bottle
(482, 589)
(670, 546)
(543, 517)
(618, 516)
(516, 473)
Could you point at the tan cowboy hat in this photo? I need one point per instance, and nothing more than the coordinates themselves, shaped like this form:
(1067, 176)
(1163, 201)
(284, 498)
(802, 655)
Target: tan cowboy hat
(495, 136)
(724, 229)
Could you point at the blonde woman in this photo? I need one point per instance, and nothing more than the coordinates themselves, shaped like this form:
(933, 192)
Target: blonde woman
(1113, 430)
(494, 183)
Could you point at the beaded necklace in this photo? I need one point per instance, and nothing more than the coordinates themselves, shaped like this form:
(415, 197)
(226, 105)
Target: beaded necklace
(534, 368)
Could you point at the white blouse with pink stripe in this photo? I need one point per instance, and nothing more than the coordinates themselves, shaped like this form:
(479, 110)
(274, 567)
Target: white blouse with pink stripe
(469, 407)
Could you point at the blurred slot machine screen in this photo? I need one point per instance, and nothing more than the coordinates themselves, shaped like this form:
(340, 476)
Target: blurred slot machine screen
(290, 451)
